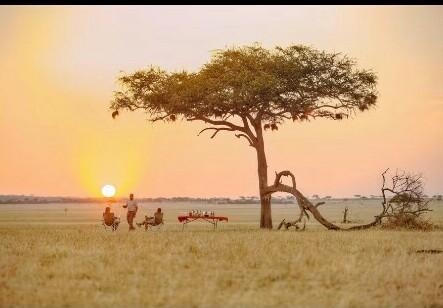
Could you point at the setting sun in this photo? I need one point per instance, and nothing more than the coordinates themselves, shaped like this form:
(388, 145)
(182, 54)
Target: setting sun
(108, 190)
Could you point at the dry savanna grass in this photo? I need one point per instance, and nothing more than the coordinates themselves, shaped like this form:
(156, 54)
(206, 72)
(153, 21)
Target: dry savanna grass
(58, 262)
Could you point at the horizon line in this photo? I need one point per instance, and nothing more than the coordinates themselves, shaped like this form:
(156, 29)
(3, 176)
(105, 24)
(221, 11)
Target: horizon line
(355, 196)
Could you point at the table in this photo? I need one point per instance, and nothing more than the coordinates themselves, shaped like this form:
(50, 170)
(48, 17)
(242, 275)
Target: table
(185, 219)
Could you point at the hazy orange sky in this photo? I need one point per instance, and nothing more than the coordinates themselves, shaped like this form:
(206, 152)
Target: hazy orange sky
(59, 67)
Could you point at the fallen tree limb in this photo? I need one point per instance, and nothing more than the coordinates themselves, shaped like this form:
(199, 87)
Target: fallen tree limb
(407, 203)
(306, 206)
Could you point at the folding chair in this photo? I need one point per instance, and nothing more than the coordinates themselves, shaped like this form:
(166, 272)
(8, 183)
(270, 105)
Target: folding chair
(153, 222)
(111, 222)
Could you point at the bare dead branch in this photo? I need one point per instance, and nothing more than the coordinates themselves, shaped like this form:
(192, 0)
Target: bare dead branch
(345, 215)
(284, 173)
(408, 199)
(304, 204)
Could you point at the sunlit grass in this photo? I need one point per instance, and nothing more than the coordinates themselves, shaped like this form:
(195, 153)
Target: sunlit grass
(237, 265)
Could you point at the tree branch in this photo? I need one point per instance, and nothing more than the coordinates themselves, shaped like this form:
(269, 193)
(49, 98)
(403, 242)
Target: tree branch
(305, 205)
(247, 138)
(248, 130)
(216, 129)
(245, 131)
(284, 173)
(160, 118)
(218, 122)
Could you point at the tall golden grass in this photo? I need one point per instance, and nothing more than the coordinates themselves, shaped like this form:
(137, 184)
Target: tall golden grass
(238, 265)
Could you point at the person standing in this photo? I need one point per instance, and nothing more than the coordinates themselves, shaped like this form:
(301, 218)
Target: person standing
(132, 207)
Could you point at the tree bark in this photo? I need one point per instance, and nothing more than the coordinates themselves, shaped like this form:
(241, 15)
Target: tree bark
(262, 168)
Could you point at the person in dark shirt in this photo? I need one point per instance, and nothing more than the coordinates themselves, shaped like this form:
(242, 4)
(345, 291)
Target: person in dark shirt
(109, 219)
(157, 219)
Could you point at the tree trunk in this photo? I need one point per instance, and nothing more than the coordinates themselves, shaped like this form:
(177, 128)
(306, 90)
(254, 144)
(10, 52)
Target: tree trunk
(265, 214)
(265, 200)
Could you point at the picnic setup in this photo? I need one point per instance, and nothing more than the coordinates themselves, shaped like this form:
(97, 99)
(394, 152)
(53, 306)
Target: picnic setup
(111, 221)
(198, 215)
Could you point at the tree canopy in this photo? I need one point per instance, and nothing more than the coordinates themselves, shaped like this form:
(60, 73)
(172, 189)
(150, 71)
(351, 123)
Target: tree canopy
(294, 83)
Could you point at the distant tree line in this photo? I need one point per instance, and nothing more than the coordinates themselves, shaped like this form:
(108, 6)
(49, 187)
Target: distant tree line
(29, 199)
(24, 199)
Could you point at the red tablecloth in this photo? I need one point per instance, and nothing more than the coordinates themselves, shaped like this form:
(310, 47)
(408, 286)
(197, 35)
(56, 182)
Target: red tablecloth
(184, 218)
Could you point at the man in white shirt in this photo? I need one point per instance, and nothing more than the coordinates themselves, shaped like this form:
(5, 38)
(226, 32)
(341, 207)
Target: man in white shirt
(132, 207)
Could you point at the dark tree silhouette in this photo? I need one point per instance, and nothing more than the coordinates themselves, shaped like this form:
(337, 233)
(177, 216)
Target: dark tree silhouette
(250, 89)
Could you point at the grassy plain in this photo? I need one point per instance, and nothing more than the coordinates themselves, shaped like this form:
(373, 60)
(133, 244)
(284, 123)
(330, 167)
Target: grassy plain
(53, 258)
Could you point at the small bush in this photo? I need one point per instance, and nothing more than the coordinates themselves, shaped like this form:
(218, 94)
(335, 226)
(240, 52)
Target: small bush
(407, 221)
(404, 202)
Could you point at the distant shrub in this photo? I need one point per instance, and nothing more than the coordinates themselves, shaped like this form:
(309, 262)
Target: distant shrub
(407, 221)
(407, 204)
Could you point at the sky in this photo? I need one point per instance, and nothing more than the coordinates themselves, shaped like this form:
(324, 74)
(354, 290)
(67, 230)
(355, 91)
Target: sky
(58, 71)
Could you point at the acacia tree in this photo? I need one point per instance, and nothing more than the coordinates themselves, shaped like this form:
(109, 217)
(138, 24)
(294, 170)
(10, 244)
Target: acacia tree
(250, 89)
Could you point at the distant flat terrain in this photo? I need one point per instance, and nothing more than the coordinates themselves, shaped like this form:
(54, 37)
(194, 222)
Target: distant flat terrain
(50, 257)
(360, 211)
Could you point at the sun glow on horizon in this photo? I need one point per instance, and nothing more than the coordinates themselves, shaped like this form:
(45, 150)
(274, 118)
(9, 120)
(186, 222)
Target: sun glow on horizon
(69, 58)
(108, 190)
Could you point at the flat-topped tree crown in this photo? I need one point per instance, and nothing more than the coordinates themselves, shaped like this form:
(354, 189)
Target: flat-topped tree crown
(247, 89)
(297, 83)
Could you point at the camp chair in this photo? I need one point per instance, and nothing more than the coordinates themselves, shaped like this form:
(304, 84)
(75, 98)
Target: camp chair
(110, 221)
(151, 222)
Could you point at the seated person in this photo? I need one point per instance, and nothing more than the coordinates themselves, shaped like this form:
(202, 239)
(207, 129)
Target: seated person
(153, 221)
(109, 218)
(158, 217)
